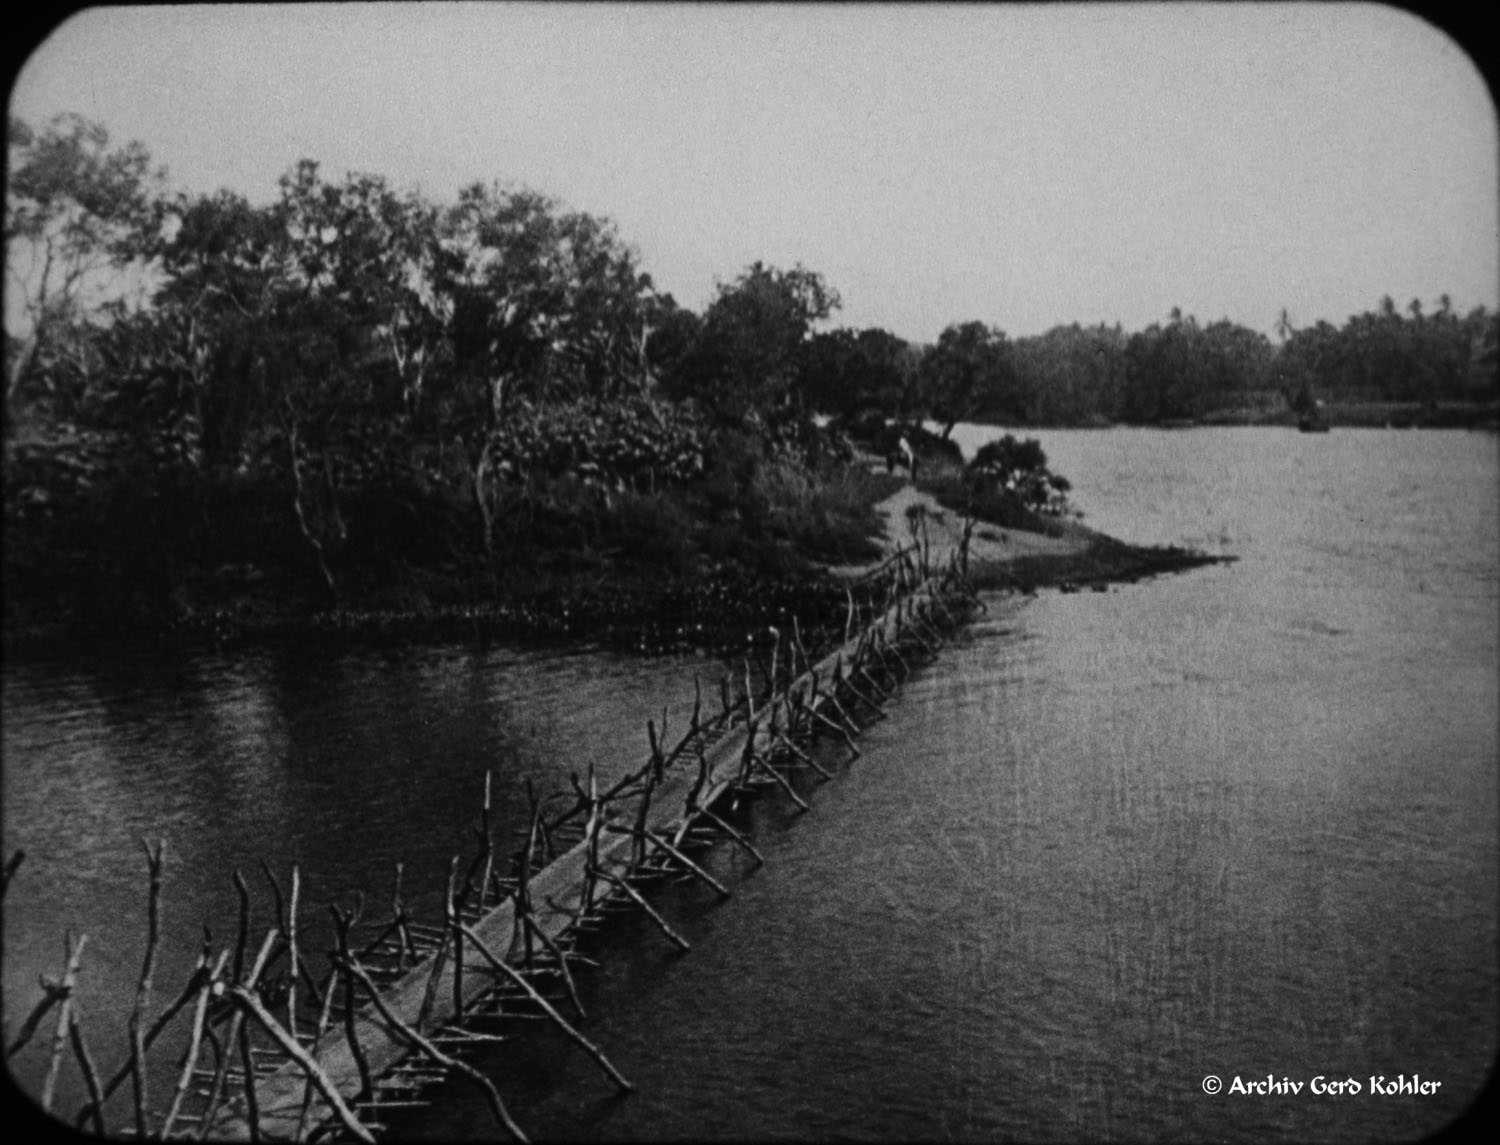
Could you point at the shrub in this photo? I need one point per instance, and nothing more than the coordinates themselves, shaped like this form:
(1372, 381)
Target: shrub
(984, 502)
(1020, 468)
(636, 443)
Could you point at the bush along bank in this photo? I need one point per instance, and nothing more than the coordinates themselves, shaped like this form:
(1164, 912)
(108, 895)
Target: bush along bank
(638, 526)
(1009, 486)
(645, 529)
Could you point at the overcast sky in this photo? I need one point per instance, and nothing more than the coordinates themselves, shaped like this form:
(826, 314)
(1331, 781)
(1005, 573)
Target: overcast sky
(1020, 166)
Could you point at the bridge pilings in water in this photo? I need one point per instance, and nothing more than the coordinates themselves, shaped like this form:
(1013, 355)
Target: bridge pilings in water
(294, 1055)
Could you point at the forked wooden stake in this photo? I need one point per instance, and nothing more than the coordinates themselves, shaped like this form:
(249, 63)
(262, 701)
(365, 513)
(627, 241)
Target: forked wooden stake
(143, 990)
(342, 922)
(195, 1044)
(657, 841)
(633, 894)
(12, 865)
(446, 1061)
(733, 834)
(74, 953)
(216, 1089)
(785, 741)
(86, 1065)
(453, 919)
(594, 1051)
(318, 1032)
(247, 1002)
(832, 693)
(842, 679)
(757, 760)
(562, 964)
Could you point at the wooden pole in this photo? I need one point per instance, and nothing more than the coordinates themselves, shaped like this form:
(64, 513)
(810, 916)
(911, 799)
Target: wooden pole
(52, 995)
(318, 1032)
(143, 989)
(12, 865)
(413, 1038)
(562, 965)
(342, 922)
(489, 847)
(252, 1100)
(747, 754)
(884, 695)
(632, 893)
(429, 995)
(802, 755)
(243, 932)
(523, 887)
(732, 833)
(293, 957)
(65, 1011)
(195, 1044)
(832, 694)
(216, 1089)
(452, 916)
(638, 849)
(86, 1066)
(124, 1071)
(247, 1002)
(779, 778)
(594, 1051)
(656, 841)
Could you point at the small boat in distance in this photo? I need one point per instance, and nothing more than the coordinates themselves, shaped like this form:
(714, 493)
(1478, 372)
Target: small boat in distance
(1314, 420)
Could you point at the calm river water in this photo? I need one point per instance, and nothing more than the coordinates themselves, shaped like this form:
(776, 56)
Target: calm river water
(1239, 822)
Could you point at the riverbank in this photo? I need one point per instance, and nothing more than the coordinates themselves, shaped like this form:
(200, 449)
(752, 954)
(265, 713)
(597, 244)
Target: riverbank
(639, 603)
(1371, 415)
(1068, 557)
(642, 568)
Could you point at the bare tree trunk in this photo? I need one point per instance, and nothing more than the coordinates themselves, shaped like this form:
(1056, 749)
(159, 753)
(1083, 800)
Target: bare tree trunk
(482, 497)
(482, 465)
(331, 488)
(17, 373)
(298, 508)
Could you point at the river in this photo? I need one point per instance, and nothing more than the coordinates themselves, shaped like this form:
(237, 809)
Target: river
(1239, 822)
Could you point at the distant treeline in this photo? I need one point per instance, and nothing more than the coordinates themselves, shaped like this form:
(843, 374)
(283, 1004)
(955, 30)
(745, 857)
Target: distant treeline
(356, 390)
(1180, 370)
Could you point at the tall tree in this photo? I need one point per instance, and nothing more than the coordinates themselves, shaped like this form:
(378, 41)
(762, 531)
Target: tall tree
(76, 213)
(847, 372)
(538, 303)
(970, 371)
(753, 339)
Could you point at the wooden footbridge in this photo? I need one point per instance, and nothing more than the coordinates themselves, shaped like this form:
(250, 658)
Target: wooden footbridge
(294, 1057)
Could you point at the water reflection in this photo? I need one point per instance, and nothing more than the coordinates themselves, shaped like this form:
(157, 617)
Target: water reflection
(345, 764)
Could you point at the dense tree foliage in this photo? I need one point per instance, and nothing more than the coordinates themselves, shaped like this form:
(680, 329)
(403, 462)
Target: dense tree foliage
(75, 211)
(1020, 467)
(1382, 355)
(351, 385)
(751, 346)
(970, 374)
(851, 373)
